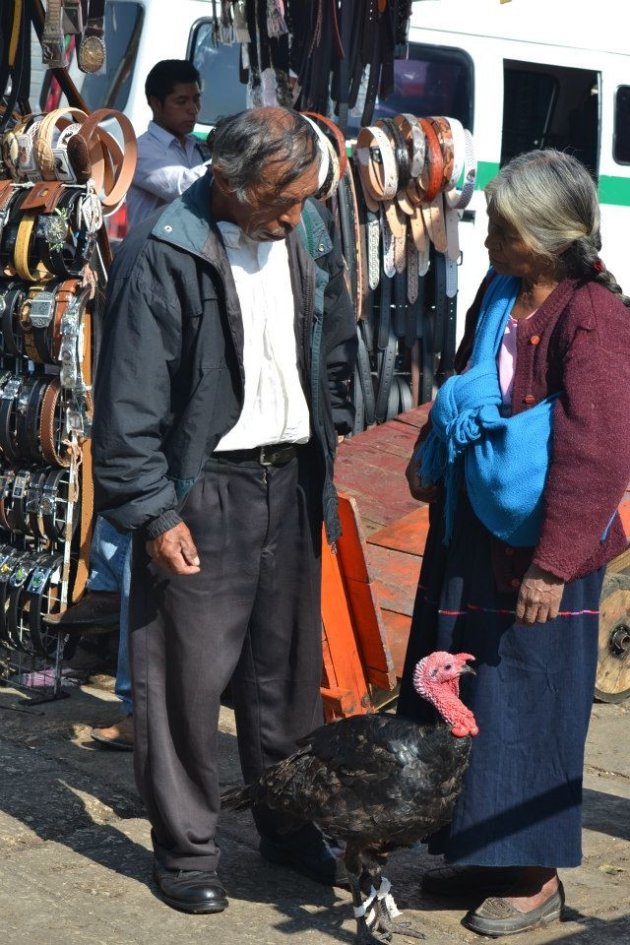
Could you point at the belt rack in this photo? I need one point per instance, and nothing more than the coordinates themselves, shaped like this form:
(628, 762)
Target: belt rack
(398, 203)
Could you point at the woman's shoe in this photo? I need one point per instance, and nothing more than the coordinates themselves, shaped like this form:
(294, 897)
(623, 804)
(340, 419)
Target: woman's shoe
(118, 735)
(469, 880)
(496, 917)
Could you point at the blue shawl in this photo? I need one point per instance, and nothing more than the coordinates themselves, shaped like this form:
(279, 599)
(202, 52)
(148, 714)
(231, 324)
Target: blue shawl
(504, 459)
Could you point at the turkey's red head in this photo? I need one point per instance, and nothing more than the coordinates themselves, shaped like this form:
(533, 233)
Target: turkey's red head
(436, 677)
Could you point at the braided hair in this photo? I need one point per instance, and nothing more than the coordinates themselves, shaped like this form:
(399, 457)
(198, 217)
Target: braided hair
(550, 199)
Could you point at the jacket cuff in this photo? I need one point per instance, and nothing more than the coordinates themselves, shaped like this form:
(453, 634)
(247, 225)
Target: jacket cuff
(157, 526)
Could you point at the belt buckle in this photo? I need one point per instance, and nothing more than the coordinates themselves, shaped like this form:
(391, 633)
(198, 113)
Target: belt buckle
(263, 456)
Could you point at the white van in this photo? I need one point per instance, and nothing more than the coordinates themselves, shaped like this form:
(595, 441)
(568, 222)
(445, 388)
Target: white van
(522, 74)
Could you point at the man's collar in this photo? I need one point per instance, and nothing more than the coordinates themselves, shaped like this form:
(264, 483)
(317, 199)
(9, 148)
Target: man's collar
(163, 136)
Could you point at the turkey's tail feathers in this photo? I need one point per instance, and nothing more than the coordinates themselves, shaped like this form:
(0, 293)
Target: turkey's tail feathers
(237, 798)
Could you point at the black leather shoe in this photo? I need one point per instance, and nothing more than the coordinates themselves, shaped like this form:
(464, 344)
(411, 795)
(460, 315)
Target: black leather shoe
(101, 608)
(195, 891)
(307, 852)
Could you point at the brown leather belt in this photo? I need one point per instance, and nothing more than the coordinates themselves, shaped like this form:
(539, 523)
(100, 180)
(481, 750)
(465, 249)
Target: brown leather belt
(276, 454)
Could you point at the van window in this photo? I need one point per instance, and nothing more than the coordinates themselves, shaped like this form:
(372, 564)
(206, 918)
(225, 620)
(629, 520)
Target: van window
(433, 80)
(110, 88)
(219, 68)
(621, 139)
(550, 106)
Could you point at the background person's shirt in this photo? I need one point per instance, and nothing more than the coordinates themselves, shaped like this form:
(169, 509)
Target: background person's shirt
(165, 169)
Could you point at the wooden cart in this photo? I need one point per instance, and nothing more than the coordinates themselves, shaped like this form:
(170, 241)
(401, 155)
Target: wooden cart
(369, 585)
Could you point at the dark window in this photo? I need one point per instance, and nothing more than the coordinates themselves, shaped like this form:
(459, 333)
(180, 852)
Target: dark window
(621, 140)
(528, 105)
(222, 91)
(110, 88)
(434, 80)
(549, 106)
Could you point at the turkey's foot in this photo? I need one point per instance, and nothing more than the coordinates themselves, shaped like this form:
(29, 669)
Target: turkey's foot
(366, 913)
(387, 912)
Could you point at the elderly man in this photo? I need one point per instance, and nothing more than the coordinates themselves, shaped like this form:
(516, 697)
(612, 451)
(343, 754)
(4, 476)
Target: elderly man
(221, 388)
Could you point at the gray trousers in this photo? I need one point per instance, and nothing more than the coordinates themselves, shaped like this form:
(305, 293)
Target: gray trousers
(251, 617)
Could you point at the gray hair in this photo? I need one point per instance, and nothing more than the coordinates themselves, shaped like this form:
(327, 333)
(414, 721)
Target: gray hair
(550, 199)
(244, 143)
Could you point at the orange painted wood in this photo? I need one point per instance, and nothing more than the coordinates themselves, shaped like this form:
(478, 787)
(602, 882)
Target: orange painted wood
(344, 689)
(362, 599)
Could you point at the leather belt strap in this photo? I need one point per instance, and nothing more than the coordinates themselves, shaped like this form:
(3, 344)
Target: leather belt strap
(6, 485)
(114, 190)
(53, 49)
(16, 513)
(401, 151)
(10, 564)
(334, 135)
(50, 428)
(376, 163)
(10, 392)
(413, 134)
(16, 586)
(37, 587)
(59, 118)
(364, 376)
(33, 503)
(459, 199)
(10, 304)
(51, 506)
(277, 454)
(27, 418)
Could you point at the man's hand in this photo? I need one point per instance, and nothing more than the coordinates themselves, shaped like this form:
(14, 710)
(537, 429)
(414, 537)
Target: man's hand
(539, 597)
(175, 550)
(418, 491)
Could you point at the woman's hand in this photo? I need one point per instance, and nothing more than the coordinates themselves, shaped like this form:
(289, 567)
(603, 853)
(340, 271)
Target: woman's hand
(175, 550)
(418, 491)
(539, 597)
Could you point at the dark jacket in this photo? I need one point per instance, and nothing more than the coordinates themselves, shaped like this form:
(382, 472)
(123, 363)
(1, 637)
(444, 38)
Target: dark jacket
(577, 343)
(170, 375)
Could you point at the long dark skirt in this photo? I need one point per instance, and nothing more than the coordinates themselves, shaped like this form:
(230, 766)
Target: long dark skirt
(532, 697)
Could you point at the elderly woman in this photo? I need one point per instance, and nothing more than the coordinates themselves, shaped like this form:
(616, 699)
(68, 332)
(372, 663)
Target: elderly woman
(524, 460)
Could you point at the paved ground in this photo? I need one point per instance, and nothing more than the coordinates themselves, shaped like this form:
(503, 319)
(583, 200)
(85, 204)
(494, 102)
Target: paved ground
(75, 854)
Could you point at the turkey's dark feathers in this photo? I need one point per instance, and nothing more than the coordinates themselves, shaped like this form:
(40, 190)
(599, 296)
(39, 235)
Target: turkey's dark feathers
(373, 779)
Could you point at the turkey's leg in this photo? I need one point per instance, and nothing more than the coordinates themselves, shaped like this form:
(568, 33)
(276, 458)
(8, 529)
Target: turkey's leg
(364, 913)
(387, 911)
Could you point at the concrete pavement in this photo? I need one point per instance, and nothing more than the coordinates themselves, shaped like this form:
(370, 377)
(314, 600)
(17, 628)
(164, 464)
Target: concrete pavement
(76, 861)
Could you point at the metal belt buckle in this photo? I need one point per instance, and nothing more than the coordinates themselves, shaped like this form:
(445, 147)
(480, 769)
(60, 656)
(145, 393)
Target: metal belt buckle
(19, 576)
(11, 388)
(269, 455)
(41, 310)
(19, 484)
(46, 504)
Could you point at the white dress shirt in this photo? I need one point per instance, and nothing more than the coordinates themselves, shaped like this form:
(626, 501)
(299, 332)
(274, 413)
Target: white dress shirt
(275, 408)
(165, 169)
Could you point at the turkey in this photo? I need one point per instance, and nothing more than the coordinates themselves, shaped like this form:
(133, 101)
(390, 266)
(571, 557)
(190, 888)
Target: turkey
(377, 783)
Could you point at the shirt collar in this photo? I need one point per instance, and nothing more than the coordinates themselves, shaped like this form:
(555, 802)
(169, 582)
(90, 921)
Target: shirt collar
(165, 137)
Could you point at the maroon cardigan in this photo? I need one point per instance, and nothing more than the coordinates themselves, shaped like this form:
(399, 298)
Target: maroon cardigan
(578, 343)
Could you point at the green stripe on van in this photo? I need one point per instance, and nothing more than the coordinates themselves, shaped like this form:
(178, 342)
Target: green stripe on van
(612, 190)
(615, 190)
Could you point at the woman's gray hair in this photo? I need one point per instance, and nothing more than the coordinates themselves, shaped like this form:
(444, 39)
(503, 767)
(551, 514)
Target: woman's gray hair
(550, 199)
(242, 144)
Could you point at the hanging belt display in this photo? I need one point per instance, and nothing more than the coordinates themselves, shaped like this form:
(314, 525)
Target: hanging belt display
(61, 175)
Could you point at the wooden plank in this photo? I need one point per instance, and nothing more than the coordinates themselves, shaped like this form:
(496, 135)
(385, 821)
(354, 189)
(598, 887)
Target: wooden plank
(408, 534)
(395, 576)
(362, 599)
(397, 626)
(343, 673)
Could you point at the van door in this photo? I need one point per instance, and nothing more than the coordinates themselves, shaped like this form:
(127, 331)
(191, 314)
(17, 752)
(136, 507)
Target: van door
(548, 106)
